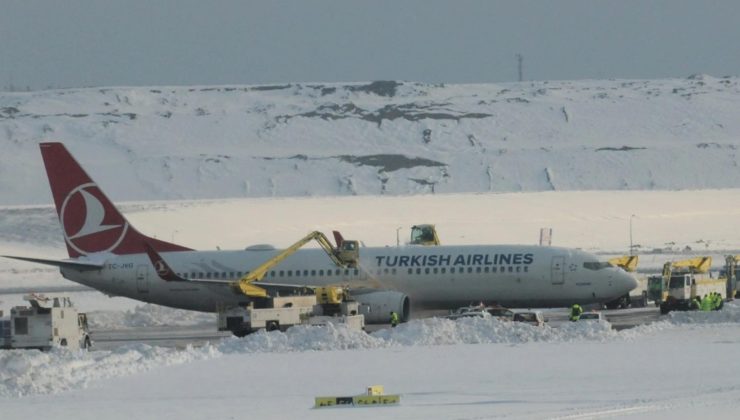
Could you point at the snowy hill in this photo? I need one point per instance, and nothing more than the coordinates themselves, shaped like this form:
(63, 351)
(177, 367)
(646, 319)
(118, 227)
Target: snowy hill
(377, 138)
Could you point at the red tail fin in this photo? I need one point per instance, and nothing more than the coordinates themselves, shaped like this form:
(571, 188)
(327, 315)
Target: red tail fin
(90, 222)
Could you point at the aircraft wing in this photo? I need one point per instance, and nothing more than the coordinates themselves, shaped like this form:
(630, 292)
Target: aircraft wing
(74, 264)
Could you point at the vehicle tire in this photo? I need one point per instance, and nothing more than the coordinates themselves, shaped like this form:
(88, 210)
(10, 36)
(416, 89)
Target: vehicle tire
(63, 342)
(272, 326)
(86, 344)
(240, 333)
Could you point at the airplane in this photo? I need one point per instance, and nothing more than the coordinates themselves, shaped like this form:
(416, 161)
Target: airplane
(109, 254)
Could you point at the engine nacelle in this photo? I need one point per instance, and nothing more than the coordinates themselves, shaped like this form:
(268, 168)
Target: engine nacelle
(376, 306)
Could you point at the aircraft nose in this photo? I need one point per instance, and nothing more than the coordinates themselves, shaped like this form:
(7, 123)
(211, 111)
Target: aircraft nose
(627, 280)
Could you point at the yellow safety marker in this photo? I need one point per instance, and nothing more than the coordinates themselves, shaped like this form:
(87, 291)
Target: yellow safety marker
(373, 397)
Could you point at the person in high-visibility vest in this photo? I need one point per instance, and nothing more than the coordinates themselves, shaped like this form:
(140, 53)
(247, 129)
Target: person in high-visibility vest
(706, 303)
(394, 319)
(575, 312)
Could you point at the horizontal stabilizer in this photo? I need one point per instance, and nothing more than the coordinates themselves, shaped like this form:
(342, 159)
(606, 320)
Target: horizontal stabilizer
(74, 264)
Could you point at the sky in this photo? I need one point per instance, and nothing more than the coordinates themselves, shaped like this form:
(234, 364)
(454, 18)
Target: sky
(76, 43)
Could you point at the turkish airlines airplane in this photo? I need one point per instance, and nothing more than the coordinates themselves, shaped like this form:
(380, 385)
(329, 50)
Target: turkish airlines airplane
(107, 253)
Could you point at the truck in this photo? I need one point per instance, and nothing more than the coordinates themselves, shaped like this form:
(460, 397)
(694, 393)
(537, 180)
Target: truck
(325, 305)
(682, 282)
(47, 323)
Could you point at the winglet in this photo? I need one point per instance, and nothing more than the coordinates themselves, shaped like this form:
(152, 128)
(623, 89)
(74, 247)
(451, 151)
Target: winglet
(164, 271)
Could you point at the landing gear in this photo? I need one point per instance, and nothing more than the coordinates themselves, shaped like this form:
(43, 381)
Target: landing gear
(622, 302)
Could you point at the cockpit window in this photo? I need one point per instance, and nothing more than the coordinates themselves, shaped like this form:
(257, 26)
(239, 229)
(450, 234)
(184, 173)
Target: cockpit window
(596, 265)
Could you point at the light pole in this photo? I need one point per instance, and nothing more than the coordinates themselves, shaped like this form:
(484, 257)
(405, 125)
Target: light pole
(631, 246)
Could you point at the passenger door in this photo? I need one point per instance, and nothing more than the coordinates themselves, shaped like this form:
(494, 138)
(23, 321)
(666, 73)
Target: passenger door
(557, 270)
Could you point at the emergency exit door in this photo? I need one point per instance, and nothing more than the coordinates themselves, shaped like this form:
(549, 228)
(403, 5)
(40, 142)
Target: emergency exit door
(142, 278)
(557, 270)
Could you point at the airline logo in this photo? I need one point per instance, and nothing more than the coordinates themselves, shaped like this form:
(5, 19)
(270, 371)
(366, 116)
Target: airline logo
(454, 260)
(87, 224)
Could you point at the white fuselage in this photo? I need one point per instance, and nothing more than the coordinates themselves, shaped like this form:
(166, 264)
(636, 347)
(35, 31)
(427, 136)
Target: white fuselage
(432, 277)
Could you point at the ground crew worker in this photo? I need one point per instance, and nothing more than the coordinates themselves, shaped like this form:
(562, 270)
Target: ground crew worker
(394, 319)
(575, 312)
(706, 303)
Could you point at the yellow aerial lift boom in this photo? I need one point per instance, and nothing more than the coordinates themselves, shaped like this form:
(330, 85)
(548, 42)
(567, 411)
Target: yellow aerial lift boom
(627, 263)
(346, 256)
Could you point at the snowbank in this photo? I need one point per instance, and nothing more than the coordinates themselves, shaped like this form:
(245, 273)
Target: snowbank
(33, 372)
(149, 316)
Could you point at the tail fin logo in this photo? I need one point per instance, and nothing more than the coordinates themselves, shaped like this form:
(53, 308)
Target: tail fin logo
(87, 224)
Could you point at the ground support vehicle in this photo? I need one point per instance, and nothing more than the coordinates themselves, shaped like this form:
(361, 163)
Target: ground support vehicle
(424, 235)
(326, 305)
(534, 318)
(682, 282)
(48, 322)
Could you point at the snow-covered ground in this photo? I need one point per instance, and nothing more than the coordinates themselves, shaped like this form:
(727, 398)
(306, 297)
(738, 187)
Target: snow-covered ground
(502, 161)
(467, 369)
(378, 138)
(475, 368)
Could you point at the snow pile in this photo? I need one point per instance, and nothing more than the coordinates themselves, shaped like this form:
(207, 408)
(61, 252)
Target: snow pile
(34, 372)
(149, 316)
(730, 313)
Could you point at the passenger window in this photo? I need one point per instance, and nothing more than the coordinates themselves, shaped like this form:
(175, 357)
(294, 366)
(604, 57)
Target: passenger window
(357, 272)
(321, 272)
(313, 273)
(434, 270)
(426, 270)
(393, 271)
(290, 273)
(518, 269)
(272, 274)
(511, 269)
(338, 272)
(208, 275)
(526, 269)
(411, 271)
(418, 271)
(282, 273)
(477, 270)
(452, 270)
(470, 269)
(305, 273)
(493, 269)
(328, 272)
(386, 271)
(443, 270)
(486, 269)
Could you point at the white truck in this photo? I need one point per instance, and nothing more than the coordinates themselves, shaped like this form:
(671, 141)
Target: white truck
(327, 305)
(48, 322)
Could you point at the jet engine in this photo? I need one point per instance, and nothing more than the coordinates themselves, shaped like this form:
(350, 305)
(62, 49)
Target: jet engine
(377, 305)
